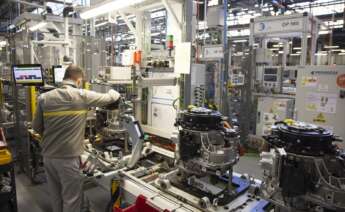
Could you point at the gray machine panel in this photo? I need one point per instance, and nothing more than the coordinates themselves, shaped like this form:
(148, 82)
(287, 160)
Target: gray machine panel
(320, 97)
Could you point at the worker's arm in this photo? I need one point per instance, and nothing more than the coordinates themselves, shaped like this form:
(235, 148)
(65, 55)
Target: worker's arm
(94, 99)
(37, 123)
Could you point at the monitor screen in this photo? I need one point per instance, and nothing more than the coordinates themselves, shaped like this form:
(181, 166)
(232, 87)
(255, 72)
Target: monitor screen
(31, 74)
(270, 78)
(58, 73)
(271, 70)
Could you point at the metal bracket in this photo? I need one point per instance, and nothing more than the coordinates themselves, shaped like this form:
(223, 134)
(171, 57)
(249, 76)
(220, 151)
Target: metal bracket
(128, 23)
(172, 13)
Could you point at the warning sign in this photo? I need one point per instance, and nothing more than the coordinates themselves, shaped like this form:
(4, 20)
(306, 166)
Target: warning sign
(320, 118)
(341, 81)
(321, 102)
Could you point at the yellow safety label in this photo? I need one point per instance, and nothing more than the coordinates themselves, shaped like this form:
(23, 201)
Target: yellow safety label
(320, 118)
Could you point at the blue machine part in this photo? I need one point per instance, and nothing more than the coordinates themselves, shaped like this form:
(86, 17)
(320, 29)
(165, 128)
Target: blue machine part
(261, 206)
(241, 184)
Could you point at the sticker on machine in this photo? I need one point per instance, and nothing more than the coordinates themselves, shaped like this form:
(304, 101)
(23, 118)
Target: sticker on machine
(321, 102)
(320, 119)
(310, 82)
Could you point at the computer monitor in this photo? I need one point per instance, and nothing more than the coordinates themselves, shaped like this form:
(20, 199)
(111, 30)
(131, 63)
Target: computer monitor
(28, 74)
(58, 74)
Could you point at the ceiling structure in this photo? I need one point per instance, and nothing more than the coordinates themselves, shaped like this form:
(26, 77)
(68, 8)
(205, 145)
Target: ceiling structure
(331, 12)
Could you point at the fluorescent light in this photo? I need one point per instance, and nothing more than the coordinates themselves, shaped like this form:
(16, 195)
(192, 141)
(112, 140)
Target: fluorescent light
(3, 43)
(108, 7)
(331, 47)
(297, 48)
(295, 54)
(278, 45)
(274, 49)
(38, 26)
(239, 41)
(324, 32)
(342, 53)
(320, 54)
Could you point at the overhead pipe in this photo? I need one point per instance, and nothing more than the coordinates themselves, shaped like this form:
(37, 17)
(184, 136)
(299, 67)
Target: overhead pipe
(65, 13)
(28, 3)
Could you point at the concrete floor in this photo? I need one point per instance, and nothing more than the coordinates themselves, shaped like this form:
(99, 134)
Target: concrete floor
(35, 198)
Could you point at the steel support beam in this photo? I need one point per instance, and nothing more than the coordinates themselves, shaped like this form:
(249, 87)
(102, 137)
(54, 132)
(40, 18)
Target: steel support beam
(172, 13)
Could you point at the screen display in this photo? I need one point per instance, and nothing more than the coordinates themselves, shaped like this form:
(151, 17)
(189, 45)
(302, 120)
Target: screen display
(28, 74)
(271, 70)
(59, 73)
(270, 78)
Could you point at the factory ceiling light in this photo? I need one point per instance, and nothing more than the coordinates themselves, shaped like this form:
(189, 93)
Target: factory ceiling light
(38, 26)
(331, 47)
(108, 7)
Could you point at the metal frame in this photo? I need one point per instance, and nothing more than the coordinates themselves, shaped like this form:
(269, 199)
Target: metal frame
(309, 26)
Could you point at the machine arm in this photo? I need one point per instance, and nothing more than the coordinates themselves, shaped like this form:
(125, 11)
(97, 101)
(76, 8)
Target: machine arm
(136, 135)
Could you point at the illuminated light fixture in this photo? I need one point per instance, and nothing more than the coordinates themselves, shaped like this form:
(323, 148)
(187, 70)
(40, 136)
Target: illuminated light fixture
(342, 53)
(278, 45)
(320, 54)
(3, 43)
(109, 6)
(331, 47)
(274, 49)
(324, 32)
(296, 54)
(239, 41)
(297, 48)
(38, 26)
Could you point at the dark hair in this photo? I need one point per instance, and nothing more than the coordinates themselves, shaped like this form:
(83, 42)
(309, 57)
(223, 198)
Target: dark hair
(73, 72)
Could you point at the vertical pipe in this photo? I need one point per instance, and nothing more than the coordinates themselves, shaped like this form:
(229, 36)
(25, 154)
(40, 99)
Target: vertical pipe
(205, 12)
(66, 37)
(225, 75)
(188, 19)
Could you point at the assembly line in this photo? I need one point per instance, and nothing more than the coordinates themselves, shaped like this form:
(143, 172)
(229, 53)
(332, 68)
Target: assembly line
(142, 105)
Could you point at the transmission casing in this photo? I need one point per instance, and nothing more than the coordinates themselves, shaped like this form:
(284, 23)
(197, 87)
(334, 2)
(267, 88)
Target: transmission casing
(206, 150)
(304, 170)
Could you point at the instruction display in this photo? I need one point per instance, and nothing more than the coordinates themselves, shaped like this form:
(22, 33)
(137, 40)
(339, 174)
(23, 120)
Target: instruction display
(321, 102)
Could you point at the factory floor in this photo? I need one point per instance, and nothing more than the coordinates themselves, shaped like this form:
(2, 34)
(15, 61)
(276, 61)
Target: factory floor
(35, 198)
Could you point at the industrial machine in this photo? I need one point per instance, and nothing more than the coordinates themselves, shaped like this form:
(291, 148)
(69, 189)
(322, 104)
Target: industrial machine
(304, 170)
(206, 151)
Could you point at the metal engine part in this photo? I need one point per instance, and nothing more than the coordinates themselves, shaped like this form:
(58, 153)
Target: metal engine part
(304, 170)
(206, 150)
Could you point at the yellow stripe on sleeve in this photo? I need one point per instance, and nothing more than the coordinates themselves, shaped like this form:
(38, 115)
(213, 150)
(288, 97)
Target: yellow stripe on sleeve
(65, 113)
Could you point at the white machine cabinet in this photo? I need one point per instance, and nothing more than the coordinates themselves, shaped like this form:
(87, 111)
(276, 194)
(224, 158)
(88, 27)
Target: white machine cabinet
(320, 97)
(270, 110)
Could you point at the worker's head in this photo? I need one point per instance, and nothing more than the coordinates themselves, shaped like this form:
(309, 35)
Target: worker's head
(74, 73)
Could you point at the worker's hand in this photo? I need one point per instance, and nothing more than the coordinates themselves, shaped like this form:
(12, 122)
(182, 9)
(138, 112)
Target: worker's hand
(118, 99)
(114, 94)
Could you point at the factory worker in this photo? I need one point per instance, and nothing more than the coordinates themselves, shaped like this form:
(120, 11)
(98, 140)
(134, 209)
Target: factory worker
(60, 119)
